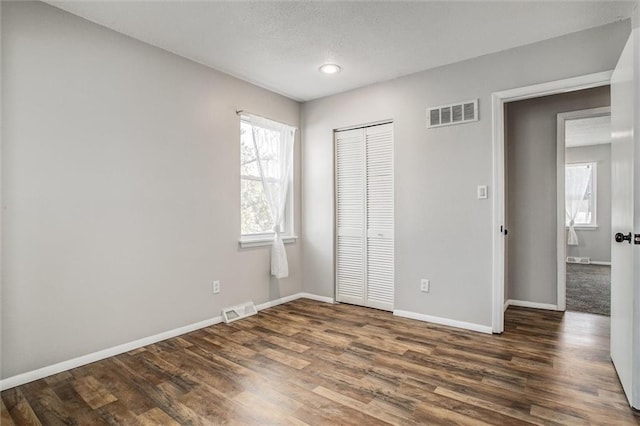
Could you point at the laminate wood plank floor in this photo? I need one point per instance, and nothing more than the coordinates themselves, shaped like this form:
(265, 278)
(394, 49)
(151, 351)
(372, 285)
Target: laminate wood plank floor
(308, 362)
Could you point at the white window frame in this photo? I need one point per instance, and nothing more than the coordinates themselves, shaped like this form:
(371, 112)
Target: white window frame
(266, 238)
(594, 196)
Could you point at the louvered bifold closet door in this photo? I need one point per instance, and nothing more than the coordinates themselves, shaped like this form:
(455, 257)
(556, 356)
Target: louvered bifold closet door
(350, 216)
(379, 215)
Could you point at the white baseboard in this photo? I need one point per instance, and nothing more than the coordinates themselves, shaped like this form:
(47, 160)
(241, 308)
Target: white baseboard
(296, 296)
(272, 303)
(506, 305)
(43, 372)
(444, 321)
(534, 305)
(315, 297)
(40, 373)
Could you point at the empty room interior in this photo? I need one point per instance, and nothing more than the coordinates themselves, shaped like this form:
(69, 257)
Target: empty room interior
(320, 212)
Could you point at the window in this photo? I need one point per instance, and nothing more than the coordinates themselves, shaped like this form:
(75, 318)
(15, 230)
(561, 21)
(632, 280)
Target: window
(266, 156)
(580, 193)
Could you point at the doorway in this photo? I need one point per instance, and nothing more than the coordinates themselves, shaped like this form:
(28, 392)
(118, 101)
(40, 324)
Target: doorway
(499, 99)
(625, 101)
(584, 158)
(533, 198)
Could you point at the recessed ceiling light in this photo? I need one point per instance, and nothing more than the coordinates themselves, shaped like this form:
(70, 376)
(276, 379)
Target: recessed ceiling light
(330, 69)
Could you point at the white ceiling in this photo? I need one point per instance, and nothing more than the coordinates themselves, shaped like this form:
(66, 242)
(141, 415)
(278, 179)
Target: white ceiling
(587, 131)
(280, 45)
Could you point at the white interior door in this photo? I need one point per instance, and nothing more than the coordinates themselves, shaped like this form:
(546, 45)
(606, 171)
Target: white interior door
(624, 291)
(364, 216)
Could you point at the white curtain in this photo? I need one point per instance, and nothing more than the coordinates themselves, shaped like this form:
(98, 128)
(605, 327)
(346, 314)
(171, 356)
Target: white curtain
(576, 184)
(273, 143)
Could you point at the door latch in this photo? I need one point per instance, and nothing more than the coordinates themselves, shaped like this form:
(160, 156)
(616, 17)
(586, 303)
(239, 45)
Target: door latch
(636, 238)
(620, 237)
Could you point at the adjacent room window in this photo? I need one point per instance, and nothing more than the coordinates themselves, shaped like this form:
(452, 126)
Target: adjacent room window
(266, 156)
(580, 189)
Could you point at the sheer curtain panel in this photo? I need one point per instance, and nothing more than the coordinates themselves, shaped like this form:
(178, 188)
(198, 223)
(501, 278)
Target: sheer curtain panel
(576, 184)
(273, 143)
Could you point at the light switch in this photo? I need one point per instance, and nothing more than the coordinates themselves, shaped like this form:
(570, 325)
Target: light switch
(482, 192)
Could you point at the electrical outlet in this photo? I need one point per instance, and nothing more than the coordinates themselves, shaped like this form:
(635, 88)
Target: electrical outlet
(216, 287)
(424, 285)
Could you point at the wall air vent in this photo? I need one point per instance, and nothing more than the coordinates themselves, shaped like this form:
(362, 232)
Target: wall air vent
(446, 115)
(234, 313)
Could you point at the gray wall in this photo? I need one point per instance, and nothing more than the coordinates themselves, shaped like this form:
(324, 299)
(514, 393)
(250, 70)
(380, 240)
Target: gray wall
(442, 231)
(531, 138)
(120, 185)
(595, 243)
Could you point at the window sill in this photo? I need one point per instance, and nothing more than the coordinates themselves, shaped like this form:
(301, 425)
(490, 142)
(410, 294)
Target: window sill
(584, 227)
(264, 240)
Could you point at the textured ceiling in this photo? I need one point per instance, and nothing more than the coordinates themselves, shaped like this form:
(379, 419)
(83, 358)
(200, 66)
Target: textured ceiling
(280, 45)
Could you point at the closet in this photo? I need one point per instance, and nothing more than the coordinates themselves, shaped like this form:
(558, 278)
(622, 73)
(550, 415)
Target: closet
(364, 216)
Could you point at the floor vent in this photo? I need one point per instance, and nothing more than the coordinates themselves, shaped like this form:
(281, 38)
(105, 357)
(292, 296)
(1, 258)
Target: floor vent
(234, 313)
(458, 113)
(583, 260)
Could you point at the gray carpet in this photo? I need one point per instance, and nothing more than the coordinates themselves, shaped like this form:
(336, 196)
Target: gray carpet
(589, 288)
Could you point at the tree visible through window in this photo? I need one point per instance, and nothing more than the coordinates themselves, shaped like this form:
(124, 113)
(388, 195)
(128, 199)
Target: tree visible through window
(255, 213)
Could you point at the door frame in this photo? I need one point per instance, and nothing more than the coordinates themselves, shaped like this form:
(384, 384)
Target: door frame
(561, 196)
(499, 99)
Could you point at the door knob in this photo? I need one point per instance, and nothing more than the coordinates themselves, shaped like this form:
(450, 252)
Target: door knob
(620, 237)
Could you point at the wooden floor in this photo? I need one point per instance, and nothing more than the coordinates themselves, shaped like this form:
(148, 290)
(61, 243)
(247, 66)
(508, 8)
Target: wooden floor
(307, 362)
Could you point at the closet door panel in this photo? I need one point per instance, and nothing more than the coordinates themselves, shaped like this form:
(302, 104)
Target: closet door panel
(350, 216)
(379, 216)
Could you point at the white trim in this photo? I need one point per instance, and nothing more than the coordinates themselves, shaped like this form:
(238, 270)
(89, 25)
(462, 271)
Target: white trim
(362, 126)
(506, 305)
(444, 321)
(561, 225)
(40, 373)
(264, 240)
(274, 125)
(315, 297)
(49, 370)
(1, 197)
(272, 303)
(499, 222)
(533, 305)
(558, 86)
(293, 297)
(600, 263)
(498, 101)
(561, 235)
(583, 227)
